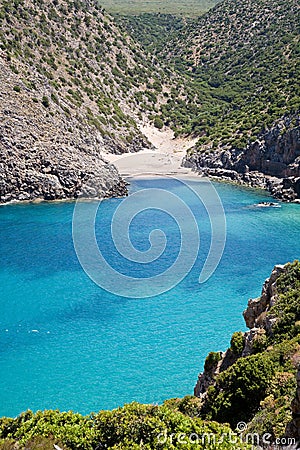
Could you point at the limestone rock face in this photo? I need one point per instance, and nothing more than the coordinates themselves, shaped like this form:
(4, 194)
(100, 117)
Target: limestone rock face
(49, 156)
(256, 307)
(206, 378)
(260, 324)
(272, 162)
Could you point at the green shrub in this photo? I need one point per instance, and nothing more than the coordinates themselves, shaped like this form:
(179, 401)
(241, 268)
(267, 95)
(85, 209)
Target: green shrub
(158, 123)
(54, 98)
(239, 389)
(45, 101)
(133, 426)
(189, 405)
(237, 343)
(260, 342)
(275, 409)
(287, 307)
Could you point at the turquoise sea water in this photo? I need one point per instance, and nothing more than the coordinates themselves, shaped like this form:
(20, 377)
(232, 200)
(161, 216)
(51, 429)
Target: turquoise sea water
(66, 343)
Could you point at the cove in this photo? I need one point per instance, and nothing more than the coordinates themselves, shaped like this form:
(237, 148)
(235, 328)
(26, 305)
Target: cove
(66, 343)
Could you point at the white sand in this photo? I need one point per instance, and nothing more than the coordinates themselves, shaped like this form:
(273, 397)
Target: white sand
(163, 161)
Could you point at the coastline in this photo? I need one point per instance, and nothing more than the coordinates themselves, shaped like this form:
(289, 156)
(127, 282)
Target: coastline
(164, 159)
(168, 159)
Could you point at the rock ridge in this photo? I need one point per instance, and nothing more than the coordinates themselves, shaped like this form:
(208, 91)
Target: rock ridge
(271, 162)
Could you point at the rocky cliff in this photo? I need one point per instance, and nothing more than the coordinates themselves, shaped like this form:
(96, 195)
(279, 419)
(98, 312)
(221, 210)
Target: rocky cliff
(255, 380)
(271, 162)
(68, 80)
(257, 321)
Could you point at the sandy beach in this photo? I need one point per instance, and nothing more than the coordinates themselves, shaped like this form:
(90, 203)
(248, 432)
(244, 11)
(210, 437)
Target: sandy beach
(164, 160)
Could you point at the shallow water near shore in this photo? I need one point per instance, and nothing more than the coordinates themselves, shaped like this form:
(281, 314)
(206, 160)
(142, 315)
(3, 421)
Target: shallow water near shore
(66, 343)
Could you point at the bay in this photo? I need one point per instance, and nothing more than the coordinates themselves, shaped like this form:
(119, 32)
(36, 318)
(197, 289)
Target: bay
(66, 343)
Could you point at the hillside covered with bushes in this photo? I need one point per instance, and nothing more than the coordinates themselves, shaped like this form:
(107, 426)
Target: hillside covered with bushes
(238, 66)
(241, 65)
(237, 89)
(71, 58)
(74, 88)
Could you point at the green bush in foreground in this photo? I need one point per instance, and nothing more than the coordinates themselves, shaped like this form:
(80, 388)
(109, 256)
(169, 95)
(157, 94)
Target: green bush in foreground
(133, 426)
(239, 390)
(254, 387)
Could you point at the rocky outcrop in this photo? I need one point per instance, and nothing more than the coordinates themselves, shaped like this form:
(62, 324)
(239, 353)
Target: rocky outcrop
(48, 155)
(254, 380)
(260, 322)
(272, 162)
(254, 314)
(212, 368)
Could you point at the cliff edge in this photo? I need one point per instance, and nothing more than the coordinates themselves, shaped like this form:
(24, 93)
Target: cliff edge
(256, 379)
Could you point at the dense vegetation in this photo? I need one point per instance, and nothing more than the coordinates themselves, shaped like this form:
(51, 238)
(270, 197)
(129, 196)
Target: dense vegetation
(287, 308)
(73, 60)
(151, 30)
(238, 68)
